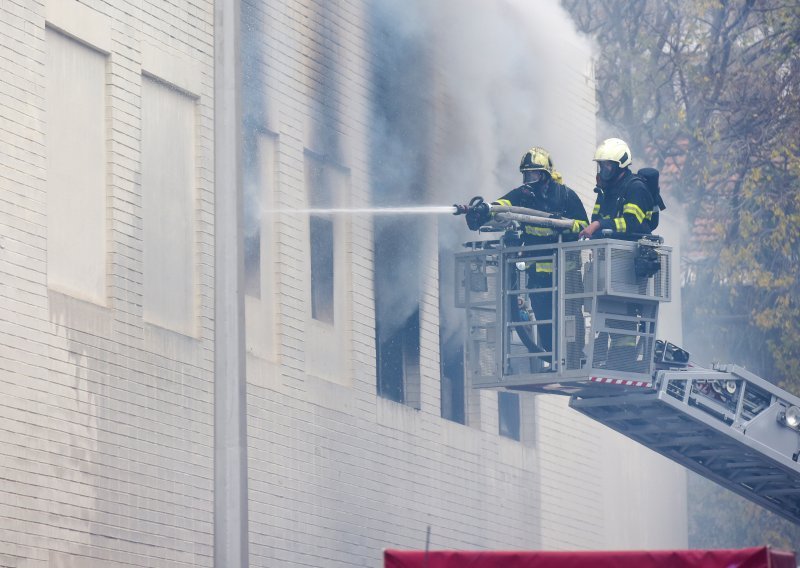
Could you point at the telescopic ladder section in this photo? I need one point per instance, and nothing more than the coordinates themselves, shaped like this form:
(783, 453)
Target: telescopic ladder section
(725, 424)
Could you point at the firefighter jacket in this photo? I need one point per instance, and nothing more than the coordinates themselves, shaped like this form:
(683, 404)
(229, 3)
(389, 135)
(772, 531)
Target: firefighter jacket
(550, 197)
(624, 206)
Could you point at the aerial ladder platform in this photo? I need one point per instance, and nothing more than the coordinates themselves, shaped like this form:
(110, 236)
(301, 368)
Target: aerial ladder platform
(724, 423)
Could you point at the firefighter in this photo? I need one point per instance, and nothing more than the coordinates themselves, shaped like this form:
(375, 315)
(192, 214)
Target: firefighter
(624, 204)
(542, 189)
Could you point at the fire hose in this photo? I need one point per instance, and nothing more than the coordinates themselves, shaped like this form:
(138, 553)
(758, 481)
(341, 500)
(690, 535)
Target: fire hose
(534, 220)
(478, 213)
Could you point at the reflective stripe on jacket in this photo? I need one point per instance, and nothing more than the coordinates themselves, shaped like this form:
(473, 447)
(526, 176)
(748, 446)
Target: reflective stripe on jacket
(625, 206)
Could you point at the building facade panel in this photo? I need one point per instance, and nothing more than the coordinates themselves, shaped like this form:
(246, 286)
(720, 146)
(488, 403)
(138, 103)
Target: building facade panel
(109, 428)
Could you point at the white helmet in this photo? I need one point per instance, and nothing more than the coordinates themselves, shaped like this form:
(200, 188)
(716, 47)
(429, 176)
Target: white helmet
(613, 150)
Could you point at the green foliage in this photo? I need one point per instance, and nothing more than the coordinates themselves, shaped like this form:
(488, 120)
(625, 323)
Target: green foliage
(763, 261)
(708, 91)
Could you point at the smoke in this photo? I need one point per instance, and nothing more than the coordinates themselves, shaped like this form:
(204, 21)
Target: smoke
(465, 88)
(507, 69)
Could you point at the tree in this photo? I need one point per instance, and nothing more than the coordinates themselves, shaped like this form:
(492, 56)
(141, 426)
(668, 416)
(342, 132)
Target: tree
(708, 91)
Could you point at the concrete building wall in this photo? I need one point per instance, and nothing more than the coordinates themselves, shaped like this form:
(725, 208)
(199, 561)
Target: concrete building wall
(107, 442)
(107, 355)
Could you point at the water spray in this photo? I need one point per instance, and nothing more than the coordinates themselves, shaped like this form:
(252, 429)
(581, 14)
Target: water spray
(420, 210)
(478, 210)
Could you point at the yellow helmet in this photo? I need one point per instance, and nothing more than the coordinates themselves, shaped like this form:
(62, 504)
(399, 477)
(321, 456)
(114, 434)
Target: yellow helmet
(613, 150)
(536, 159)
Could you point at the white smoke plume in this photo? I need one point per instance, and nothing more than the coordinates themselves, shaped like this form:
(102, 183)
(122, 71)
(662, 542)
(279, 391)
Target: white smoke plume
(504, 75)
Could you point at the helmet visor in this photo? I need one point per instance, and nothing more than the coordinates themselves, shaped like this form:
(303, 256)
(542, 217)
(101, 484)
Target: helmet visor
(533, 176)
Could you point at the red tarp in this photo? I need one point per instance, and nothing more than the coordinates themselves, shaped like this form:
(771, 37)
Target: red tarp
(761, 557)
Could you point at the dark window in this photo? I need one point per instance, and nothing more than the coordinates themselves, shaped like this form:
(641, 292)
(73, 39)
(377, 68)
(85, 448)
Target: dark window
(398, 361)
(401, 176)
(251, 210)
(452, 354)
(321, 240)
(397, 299)
(321, 268)
(451, 344)
(508, 410)
(252, 264)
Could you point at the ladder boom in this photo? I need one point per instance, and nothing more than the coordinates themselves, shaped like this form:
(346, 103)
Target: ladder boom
(725, 424)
